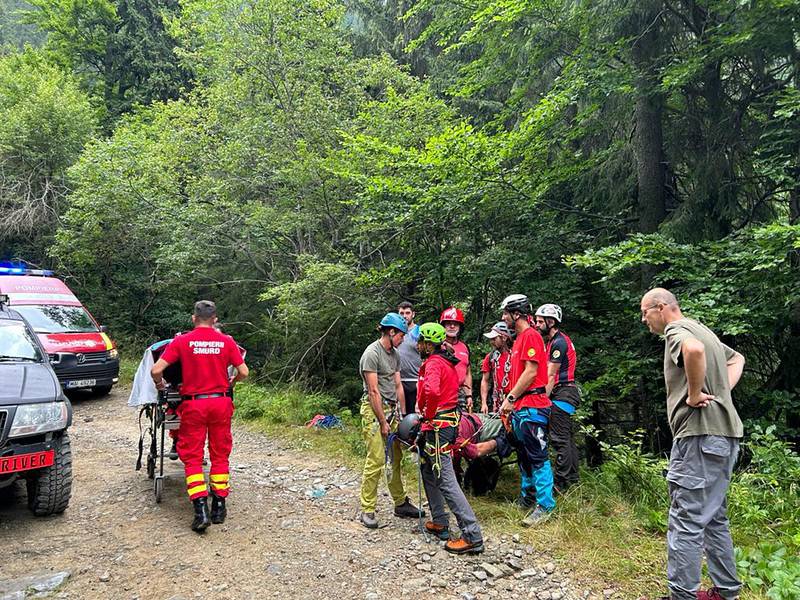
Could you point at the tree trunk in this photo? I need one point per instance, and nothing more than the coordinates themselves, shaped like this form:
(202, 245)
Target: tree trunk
(650, 175)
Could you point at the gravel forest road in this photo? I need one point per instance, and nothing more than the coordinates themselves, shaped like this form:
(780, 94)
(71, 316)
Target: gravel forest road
(279, 540)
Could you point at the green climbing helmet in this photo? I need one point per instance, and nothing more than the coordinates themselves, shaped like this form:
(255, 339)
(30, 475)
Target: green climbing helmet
(432, 332)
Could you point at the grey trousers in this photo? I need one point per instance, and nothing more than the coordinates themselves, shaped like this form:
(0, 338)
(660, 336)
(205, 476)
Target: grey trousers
(700, 469)
(445, 488)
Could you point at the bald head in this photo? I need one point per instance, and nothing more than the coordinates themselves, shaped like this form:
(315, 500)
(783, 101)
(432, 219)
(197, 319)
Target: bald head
(660, 296)
(659, 308)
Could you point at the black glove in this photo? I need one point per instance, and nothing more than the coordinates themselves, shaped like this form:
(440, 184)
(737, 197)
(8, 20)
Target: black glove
(422, 437)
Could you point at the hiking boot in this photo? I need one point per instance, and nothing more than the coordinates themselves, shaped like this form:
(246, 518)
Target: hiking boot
(369, 520)
(218, 510)
(537, 516)
(173, 452)
(201, 517)
(526, 503)
(462, 546)
(440, 531)
(407, 510)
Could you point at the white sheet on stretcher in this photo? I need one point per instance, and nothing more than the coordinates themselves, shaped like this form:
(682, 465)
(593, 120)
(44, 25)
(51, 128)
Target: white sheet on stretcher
(144, 390)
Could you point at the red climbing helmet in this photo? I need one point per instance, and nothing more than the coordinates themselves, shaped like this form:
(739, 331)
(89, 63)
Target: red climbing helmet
(452, 314)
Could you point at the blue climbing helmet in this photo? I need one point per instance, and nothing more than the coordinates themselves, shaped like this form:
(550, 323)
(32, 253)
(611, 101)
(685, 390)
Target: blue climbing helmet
(393, 319)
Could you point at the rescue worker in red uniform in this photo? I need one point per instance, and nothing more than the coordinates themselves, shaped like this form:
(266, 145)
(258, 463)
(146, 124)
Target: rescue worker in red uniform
(206, 408)
(529, 406)
(452, 319)
(496, 368)
(437, 400)
(563, 392)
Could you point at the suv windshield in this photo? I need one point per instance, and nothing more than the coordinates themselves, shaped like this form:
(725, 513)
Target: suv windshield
(52, 318)
(16, 343)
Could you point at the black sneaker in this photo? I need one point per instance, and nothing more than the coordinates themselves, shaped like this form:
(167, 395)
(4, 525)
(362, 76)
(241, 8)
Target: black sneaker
(407, 510)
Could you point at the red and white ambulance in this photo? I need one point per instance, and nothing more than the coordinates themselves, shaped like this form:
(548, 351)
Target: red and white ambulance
(64, 327)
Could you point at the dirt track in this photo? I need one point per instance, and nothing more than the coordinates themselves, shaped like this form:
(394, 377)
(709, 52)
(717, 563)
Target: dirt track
(116, 542)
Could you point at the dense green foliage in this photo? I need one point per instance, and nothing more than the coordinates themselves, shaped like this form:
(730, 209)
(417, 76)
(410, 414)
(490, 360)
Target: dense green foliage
(14, 32)
(309, 164)
(39, 103)
(121, 49)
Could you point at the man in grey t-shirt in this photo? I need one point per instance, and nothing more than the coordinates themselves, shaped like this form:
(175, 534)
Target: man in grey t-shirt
(410, 360)
(699, 372)
(379, 368)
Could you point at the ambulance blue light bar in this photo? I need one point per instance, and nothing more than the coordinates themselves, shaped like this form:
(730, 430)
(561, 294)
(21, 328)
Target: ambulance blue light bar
(12, 269)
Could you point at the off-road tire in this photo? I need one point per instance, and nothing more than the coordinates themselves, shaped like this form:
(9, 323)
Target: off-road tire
(49, 492)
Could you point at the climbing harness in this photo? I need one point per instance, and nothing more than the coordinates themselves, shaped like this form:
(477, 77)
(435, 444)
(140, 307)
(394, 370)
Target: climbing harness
(497, 393)
(440, 420)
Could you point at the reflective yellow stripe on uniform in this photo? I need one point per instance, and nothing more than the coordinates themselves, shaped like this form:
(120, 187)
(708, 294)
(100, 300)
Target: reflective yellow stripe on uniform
(197, 489)
(219, 477)
(219, 486)
(195, 478)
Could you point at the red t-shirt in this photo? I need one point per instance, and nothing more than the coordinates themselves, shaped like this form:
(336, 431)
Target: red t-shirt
(529, 346)
(499, 371)
(462, 354)
(205, 355)
(437, 388)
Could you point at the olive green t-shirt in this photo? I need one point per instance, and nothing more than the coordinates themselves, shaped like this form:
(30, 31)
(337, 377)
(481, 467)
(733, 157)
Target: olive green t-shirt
(376, 359)
(720, 416)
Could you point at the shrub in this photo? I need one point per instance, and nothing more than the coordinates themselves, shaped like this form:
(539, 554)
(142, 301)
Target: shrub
(772, 566)
(286, 405)
(765, 496)
(638, 478)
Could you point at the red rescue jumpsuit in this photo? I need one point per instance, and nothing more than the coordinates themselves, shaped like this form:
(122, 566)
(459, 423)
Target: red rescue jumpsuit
(205, 355)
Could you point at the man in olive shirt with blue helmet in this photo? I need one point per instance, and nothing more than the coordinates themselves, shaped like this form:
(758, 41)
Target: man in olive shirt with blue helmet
(379, 368)
(699, 372)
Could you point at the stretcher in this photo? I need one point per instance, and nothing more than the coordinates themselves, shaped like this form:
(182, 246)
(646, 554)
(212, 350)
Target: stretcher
(159, 412)
(482, 473)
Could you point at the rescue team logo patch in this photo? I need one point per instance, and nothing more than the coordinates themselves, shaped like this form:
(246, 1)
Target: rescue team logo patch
(531, 352)
(556, 353)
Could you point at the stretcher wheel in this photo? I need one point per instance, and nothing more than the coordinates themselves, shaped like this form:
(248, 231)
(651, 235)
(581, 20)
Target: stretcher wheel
(151, 467)
(158, 488)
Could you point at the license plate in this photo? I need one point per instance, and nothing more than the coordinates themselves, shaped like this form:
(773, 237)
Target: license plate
(26, 462)
(82, 383)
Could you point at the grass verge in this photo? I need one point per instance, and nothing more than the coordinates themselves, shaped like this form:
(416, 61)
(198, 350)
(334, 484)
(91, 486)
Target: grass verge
(596, 533)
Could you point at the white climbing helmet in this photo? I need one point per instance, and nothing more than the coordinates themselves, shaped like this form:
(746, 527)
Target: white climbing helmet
(549, 311)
